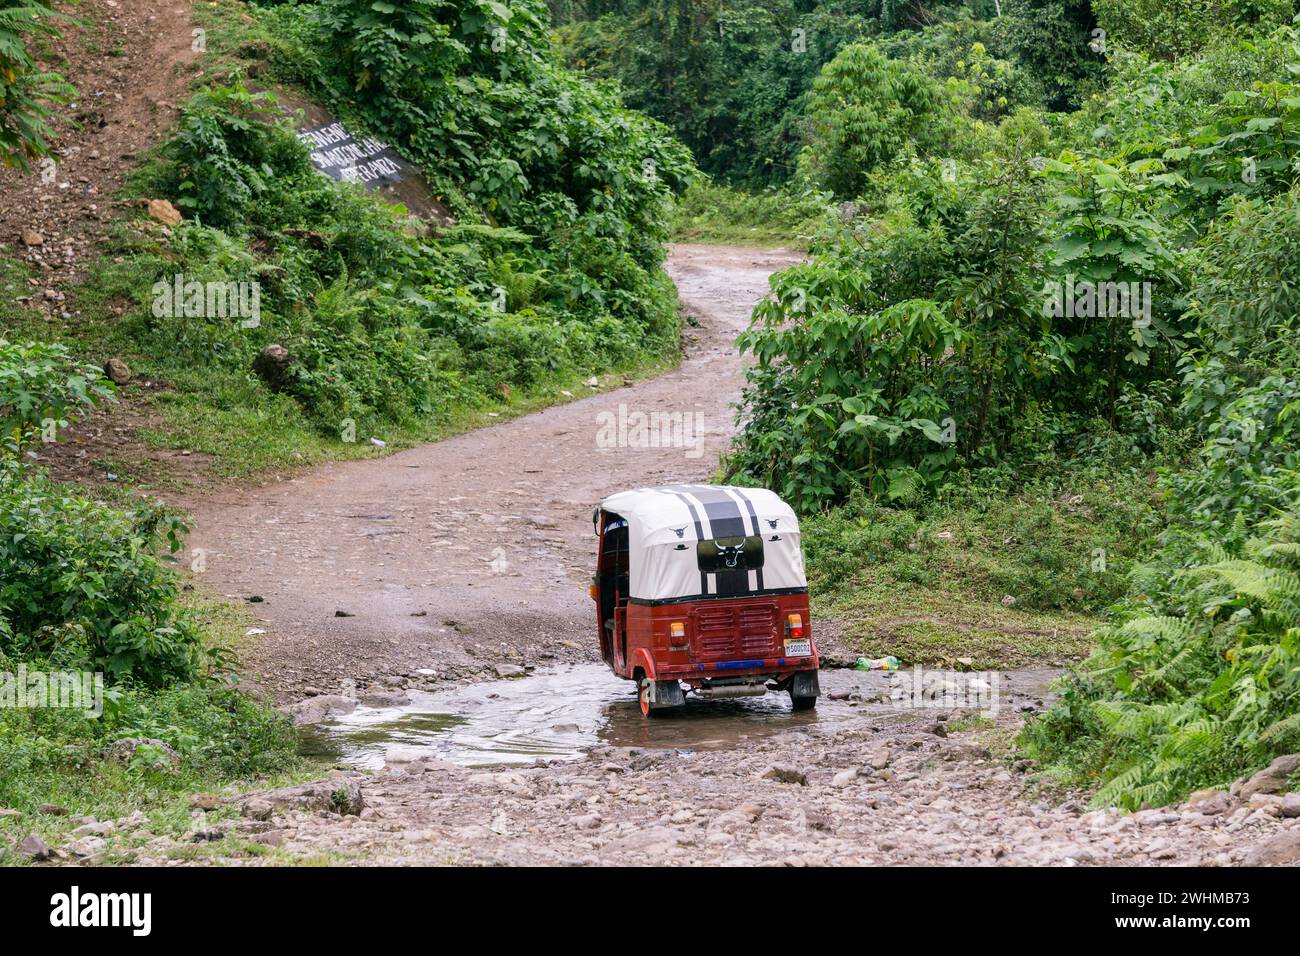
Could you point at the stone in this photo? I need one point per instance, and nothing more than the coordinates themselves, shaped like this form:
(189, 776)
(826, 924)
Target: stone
(205, 801)
(338, 793)
(163, 211)
(34, 847)
(125, 750)
(1272, 779)
(87, 846)
(272, 838)
(315, 710)
(1008, 600)
(509, 670)
(257, 809)
(784, 774)
(97, 828)
(118, 372)
(385, 698)
(1079, 854)
(274, 366)
(844, 778)
(52, 810)
(1282, 848)
(1219, 802)
(1291, 805)
(588, 821)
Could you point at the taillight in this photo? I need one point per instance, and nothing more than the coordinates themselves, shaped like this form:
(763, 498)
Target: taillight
(794, 626)
(677, 632)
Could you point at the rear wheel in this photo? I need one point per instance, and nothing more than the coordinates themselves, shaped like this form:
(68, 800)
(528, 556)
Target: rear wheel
(804, 690)
(658, 697)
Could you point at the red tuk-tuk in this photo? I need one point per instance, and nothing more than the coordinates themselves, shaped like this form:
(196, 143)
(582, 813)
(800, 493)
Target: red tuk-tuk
(701, 589)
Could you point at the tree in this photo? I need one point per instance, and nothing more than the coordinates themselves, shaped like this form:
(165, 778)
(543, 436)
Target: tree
(865, 110)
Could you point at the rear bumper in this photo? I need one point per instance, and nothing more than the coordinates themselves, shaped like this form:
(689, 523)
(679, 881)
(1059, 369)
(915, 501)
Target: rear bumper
(741, 668)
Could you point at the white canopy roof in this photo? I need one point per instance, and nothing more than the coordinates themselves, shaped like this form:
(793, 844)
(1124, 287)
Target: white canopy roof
(664, 525)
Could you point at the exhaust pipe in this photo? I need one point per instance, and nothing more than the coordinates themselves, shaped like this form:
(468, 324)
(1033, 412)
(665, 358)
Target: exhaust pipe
(723, 691)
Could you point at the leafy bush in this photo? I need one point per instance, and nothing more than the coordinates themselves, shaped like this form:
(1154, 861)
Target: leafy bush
(1193, 690)
(553, 269)
(221, 736)
(905, 344)
(81, 582)
(865, 108)
(26, 93)
(41, 386)
(231, 148)
(1166, 29)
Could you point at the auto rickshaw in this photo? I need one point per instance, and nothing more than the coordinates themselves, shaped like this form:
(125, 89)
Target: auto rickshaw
(701, 589)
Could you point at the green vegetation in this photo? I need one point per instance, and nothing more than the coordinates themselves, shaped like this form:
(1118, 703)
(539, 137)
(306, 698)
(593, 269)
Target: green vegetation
(1039, 370)
(715, 213)
(27, 94)
(995, 572)
(549, 271)
(734, 80)
(1021, 308)
(86, 591)
(395, 328)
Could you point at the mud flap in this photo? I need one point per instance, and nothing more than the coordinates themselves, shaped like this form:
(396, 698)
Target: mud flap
(804, 684)
(667, 693)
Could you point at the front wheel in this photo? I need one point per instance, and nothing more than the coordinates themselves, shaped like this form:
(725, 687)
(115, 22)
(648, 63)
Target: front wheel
(802, 703)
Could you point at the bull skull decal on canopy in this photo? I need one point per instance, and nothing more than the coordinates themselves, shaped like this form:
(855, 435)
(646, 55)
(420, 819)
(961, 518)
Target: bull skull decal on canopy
(730, 554)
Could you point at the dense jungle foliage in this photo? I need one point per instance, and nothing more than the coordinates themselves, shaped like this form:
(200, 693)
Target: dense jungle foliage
(1066, 243)
(1021, 289)
(27, 93)
(735, 81)
(552, 268)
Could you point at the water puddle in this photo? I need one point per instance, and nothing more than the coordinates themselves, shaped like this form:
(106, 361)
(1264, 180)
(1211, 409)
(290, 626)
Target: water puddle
(561, 712)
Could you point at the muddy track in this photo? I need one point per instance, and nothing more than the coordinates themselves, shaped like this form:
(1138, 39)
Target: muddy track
(476, 550)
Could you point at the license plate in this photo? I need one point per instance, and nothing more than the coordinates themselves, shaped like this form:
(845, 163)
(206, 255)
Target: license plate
(798, 648)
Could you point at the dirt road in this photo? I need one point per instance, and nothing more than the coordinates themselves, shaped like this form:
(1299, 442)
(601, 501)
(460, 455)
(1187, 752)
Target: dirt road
(476, 550)
(459, 557)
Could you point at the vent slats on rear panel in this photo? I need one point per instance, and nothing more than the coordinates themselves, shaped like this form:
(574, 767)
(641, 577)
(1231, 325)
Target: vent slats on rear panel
(735, 632)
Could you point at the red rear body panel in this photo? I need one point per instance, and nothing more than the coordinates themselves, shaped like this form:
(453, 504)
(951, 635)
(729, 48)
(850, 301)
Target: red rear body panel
(725, 637)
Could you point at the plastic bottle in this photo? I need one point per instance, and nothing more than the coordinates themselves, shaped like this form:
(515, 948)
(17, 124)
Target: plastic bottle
(890, 663)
